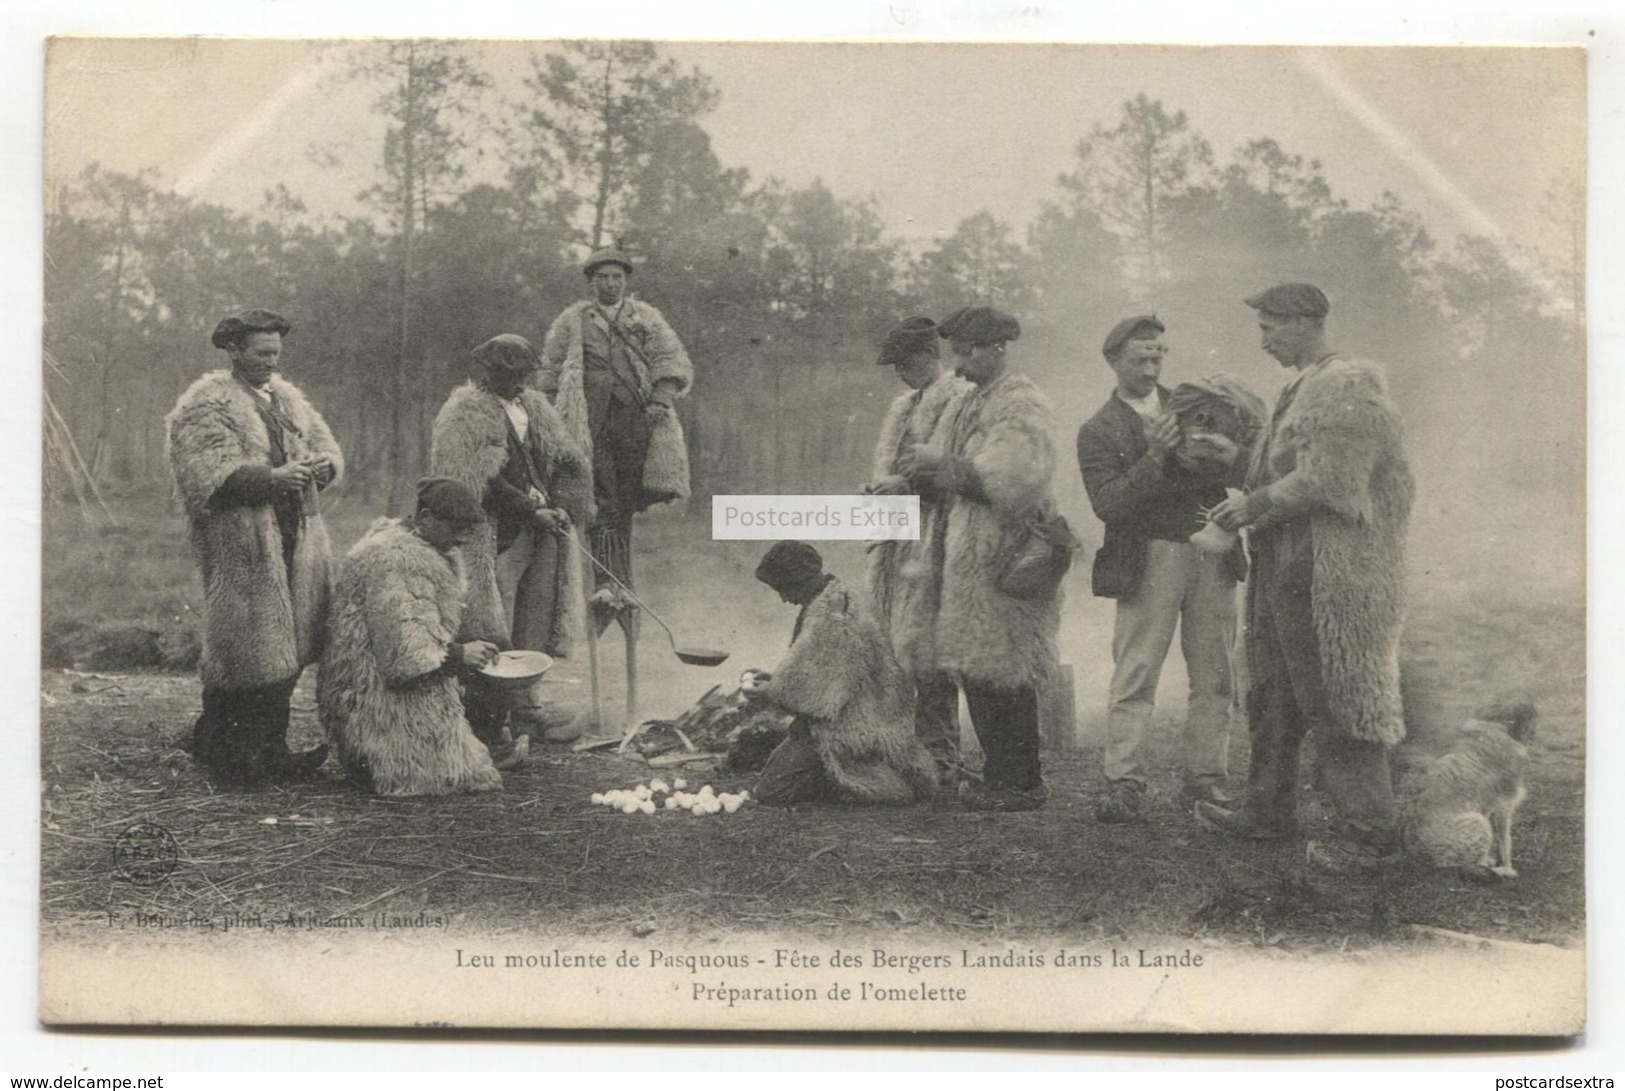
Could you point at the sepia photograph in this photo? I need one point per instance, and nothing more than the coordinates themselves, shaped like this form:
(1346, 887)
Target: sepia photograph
(813, 536)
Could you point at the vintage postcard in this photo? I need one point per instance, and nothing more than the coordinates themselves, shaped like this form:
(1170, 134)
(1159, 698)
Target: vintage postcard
(618, 534)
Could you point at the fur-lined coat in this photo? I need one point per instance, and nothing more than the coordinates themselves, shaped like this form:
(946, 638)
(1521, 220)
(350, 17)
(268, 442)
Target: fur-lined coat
(394, 715)
(259, 626)
(1000, 448)
(910, 419)
(841, 675)
(1336, 458)
(470, 446)
(562, 377)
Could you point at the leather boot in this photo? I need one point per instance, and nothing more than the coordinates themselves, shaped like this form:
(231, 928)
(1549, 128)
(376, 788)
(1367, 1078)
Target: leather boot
(279, 765)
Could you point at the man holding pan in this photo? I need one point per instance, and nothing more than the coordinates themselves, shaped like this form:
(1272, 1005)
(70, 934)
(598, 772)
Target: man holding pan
(506, 444)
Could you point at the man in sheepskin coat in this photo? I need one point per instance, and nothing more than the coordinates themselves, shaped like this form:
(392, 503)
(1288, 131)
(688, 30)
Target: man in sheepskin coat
(249, 454)
(853, 735)
(991, 463)
(912, 350)
(614, 369)
(387, 691)
(506, 444)
(1328, 499)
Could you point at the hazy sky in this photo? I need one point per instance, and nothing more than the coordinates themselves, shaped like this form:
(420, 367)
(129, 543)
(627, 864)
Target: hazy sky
(1472, 138)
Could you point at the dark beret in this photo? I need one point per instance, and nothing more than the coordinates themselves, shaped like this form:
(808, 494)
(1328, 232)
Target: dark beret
(507, 352)
(1125, 331)
(1291, 301)
(234, 327)
(979, 326)
(606, 256)
(789, 565)
(449, 500)
(911, 337)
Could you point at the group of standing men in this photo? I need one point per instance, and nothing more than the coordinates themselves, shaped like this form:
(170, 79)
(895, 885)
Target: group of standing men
(1320, 484)
(486, 562)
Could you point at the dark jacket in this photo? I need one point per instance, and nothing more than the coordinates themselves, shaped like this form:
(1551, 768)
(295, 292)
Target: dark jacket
(1138, 498)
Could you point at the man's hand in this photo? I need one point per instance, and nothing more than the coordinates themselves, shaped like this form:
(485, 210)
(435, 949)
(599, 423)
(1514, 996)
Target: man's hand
(1232, 514)
(656, 411)
(477, 653)
(1163, 436)
(292, 476)
(920, 460)
(893, 485)
(1209, 451)
(553, 520)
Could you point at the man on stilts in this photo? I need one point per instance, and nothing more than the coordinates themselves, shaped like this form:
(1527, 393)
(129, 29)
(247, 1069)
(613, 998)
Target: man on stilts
(614, 369)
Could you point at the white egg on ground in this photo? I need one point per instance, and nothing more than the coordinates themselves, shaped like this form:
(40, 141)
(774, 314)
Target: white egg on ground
(598, 797)
(733, 804)
(658, 785)
(648, 806)
(642, 791)
(679, 784)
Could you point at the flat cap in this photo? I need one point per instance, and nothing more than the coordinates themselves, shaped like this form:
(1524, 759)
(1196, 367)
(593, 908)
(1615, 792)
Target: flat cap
(790, 564)
(979, 326)
(607, 255)
(1291, 301)
(507, 352)
(449, 500)
(910, 337)
(1126, 330)
(234, 327)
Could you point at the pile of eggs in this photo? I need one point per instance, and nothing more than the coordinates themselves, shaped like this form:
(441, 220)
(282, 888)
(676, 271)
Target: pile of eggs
(658, 795)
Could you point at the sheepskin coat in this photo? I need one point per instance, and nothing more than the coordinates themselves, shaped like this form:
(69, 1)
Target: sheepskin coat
(840, 674)
(910, 419)
(261, 625)
(562, 377)
(390, 710)
(1336, 459)
(963, 623)
(470, 446)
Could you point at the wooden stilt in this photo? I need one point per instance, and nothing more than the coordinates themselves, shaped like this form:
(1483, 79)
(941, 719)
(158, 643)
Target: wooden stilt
(629, 626)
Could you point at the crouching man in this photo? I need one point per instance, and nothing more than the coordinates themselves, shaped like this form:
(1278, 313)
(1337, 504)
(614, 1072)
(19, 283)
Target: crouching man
(853, 735)
(388, 691)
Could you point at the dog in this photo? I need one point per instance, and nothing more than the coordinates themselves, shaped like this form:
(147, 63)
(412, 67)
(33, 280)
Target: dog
(1456, 811)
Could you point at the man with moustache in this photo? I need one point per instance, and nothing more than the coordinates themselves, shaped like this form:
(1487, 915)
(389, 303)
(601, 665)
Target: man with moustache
(249, 454)
(911, 350)
(1149, 485)
(990, 465)
(1328, 505)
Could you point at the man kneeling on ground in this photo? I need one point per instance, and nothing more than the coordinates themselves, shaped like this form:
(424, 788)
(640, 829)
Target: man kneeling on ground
(388, 692)
(853, 735)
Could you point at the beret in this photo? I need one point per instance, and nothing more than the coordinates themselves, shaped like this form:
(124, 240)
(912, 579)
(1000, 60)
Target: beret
(1125, 330)
(607, 255)
(449, 500)
(912, 336)
(1291, 301)
(789, 564)
(507, 352)
(979, 326)
(234, 327)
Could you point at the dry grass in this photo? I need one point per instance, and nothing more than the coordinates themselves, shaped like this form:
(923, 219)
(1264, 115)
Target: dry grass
(538, 855)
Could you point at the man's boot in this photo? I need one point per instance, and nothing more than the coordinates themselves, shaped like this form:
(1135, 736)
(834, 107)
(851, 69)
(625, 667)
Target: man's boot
(278, 764)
